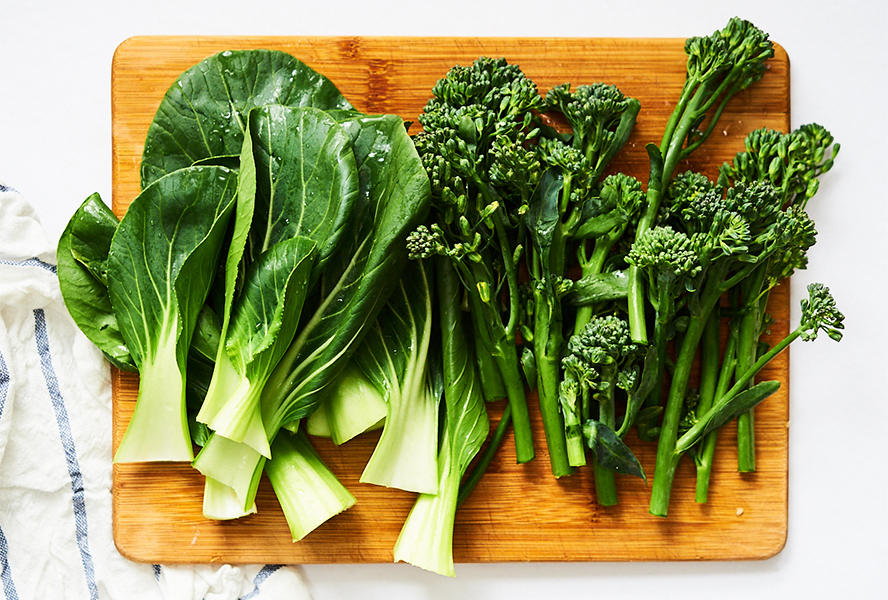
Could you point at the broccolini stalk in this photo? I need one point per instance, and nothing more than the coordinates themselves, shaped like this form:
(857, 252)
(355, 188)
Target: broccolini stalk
(476, 222)
(719, 66)
(602, 359)
(574, 397)
(619, 201)
(749, 331)
(670, 264)
(710, 348)
(792, 163)
(565, 208)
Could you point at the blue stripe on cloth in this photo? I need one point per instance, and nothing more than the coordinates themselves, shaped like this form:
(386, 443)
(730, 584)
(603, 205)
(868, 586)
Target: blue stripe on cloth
(156, 572)
(4, 383)
(31, 262)
(6, 188)
(261, 576)
(58, 403)
(5, 572)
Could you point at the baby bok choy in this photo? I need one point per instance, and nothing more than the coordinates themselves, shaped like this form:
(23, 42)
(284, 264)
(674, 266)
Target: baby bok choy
(426, 540)
(306, 183)
(159, 267)
(395, 356)
(349, 294)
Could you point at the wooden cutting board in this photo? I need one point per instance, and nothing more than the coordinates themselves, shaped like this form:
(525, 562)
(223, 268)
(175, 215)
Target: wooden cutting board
(517, 513)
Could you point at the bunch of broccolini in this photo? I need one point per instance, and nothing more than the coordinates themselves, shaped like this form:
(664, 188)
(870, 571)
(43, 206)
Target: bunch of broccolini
(621, 286)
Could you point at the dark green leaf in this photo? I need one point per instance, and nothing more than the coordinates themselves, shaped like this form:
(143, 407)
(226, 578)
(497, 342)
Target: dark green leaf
(637, 396)
(162, 257)
(610, 451)
(596, 226)
(207, 334)
(267, 310)
(542, 216)
(599, 287)
(203, 114)
(656, 158)
(82, 280)
(466, 424)
(307, 180)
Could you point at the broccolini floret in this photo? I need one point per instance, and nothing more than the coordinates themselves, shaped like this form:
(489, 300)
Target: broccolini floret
(791, 162)
(601, 118)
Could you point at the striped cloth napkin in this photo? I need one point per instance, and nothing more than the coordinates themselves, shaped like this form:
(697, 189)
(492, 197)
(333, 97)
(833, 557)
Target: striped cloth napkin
(55, 452)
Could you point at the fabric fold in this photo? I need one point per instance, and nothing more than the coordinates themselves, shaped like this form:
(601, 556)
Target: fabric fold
(55, 451)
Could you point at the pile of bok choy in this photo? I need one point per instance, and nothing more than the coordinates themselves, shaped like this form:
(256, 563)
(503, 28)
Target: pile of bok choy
(268, 237)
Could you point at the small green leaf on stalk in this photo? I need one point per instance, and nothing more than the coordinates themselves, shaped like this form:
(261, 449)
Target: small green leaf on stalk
(599, 287)
(529, 368)
(723, 412)
(610, 451)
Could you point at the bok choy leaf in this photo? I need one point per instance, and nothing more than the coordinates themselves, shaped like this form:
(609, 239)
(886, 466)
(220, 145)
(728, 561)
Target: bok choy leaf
(426, 540)
(395, 357)
(161, 264)
(204, 113)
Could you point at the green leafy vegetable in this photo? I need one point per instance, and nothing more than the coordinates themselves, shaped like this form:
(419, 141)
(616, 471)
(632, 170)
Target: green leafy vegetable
(352, 291)
(161, 264)
(82, 263)
(263, 324)
(718, 66)
(306, 187)
(426, 540)
(204, 113)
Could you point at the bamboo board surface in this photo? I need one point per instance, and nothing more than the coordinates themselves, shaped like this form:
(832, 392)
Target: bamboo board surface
(518, 512)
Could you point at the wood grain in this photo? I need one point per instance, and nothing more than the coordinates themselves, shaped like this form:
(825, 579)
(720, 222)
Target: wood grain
(518, 513)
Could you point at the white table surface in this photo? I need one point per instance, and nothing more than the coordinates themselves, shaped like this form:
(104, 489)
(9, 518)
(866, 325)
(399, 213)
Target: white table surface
(55, 148)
